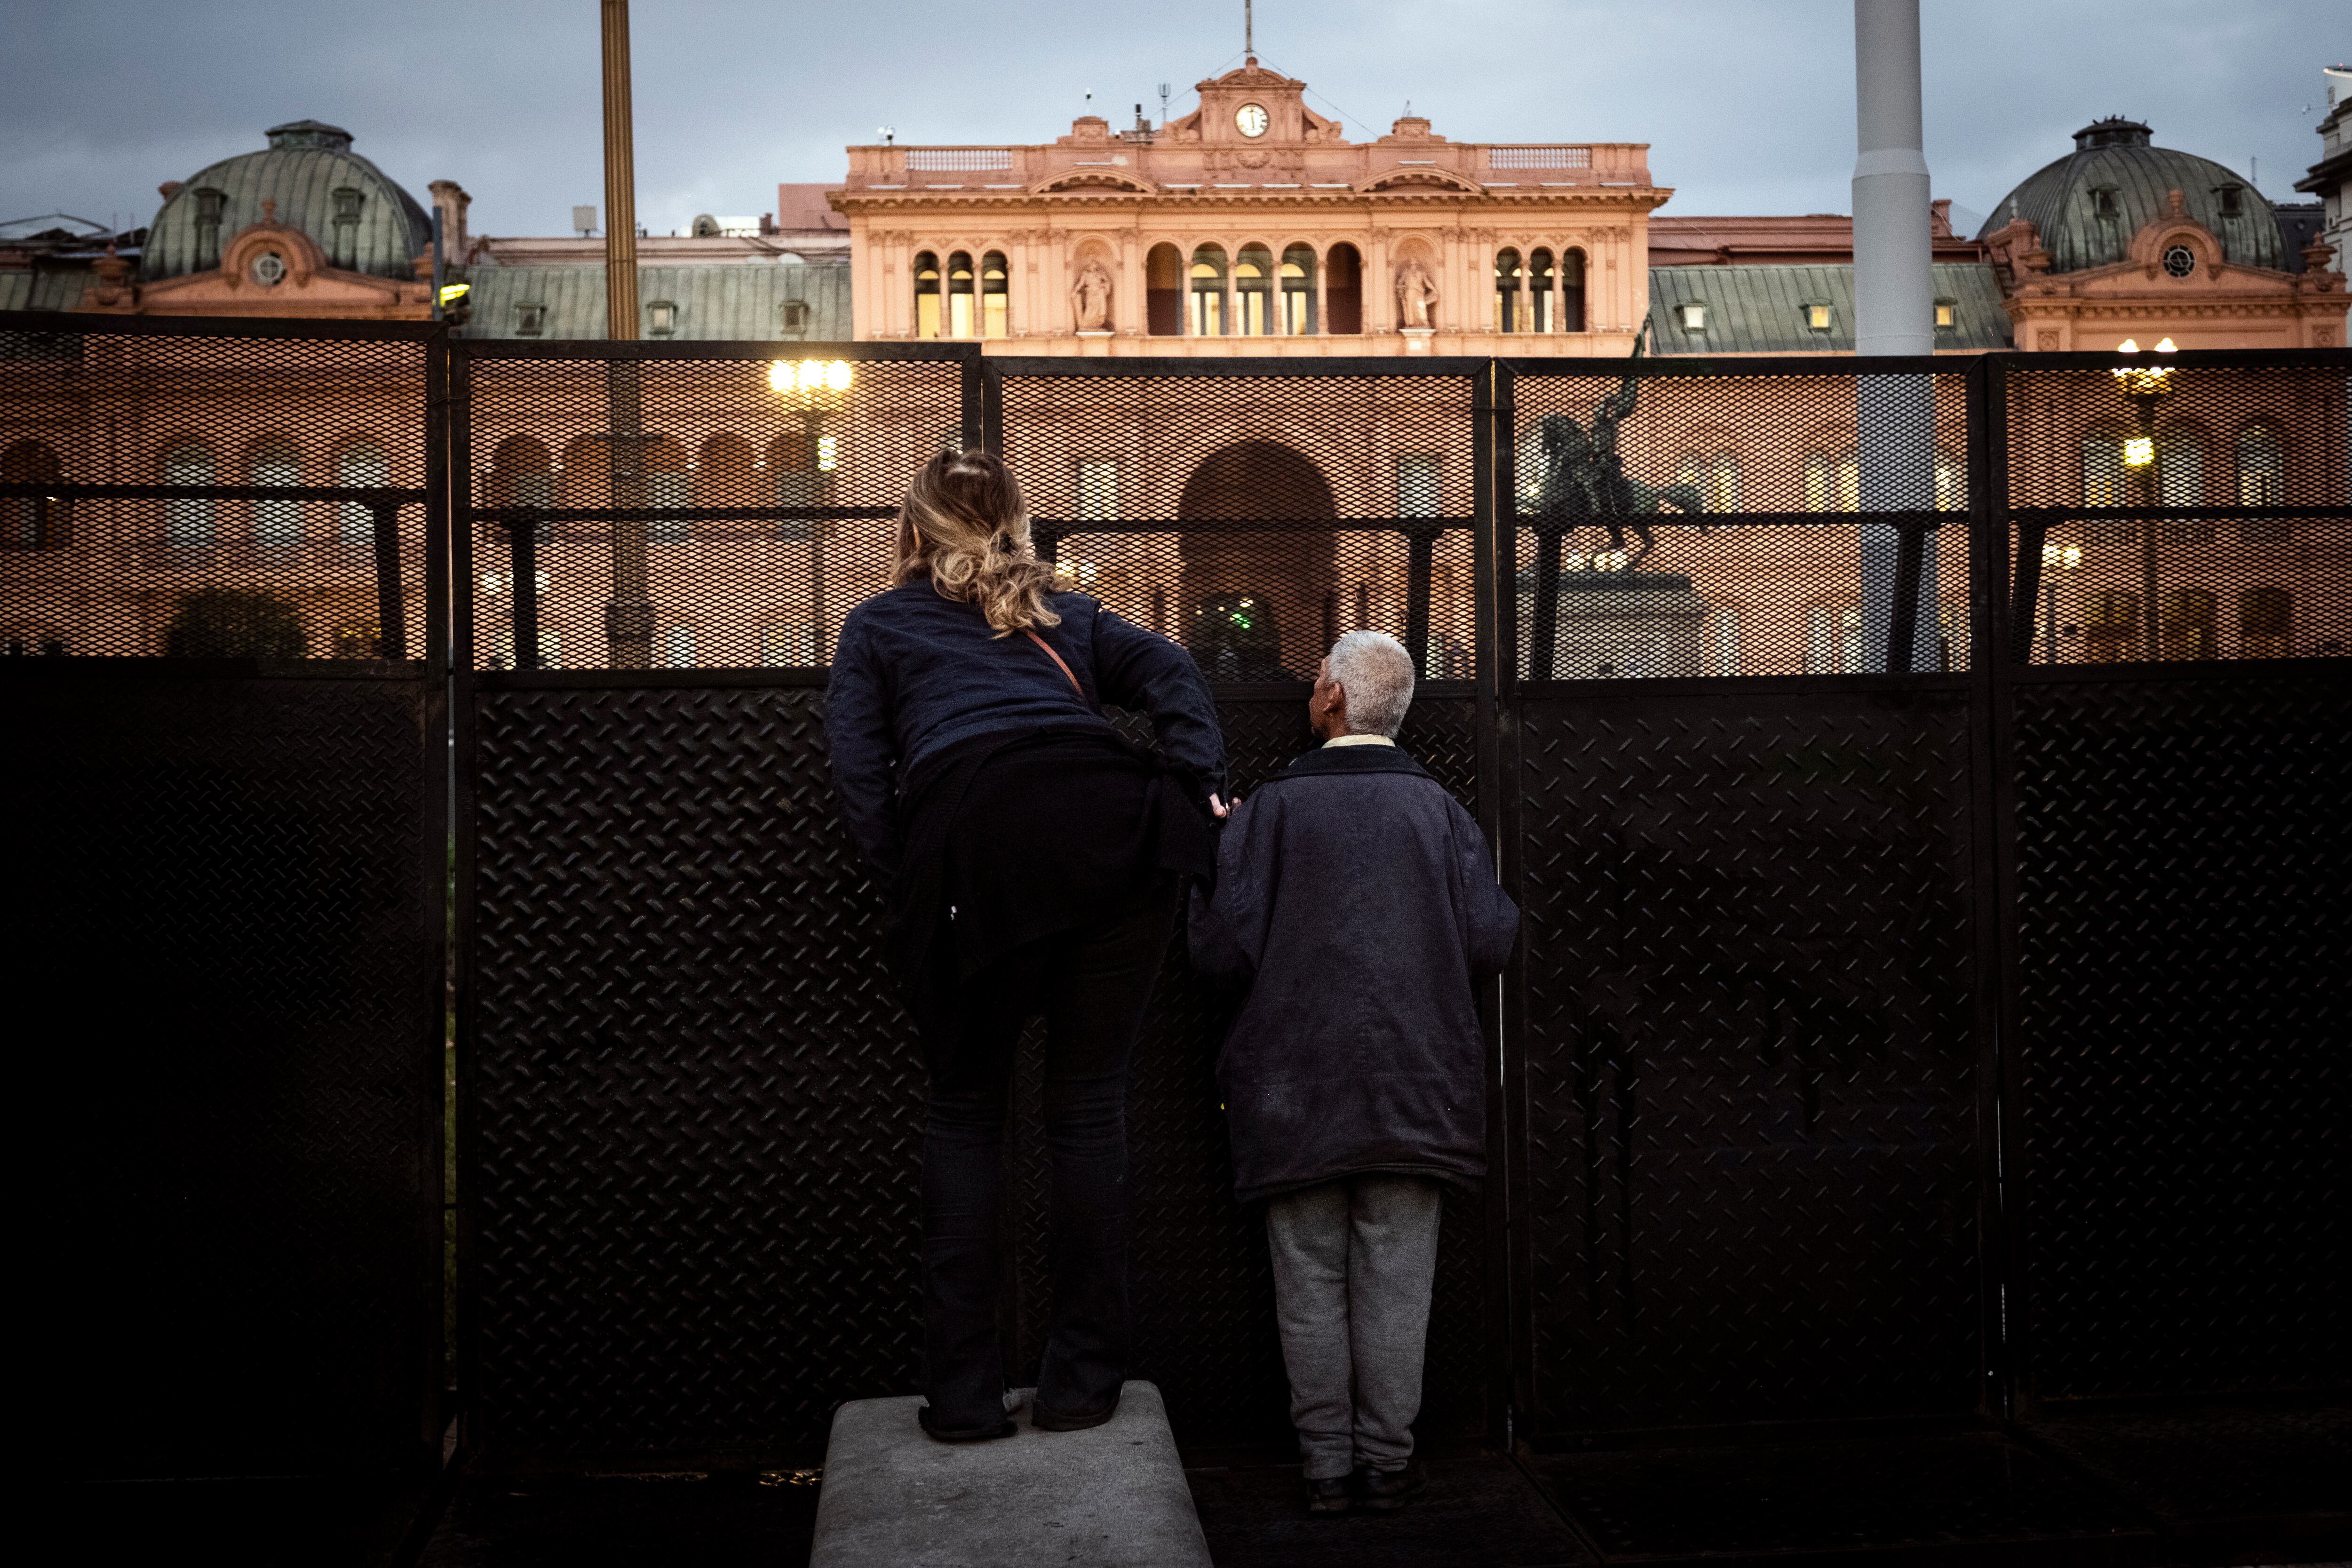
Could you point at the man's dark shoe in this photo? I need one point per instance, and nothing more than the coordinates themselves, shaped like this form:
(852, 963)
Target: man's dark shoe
(1005, 1428)
(1329, 1496)
(1385, 1491)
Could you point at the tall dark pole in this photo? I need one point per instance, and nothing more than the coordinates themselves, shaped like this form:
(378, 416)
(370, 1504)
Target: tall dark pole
(629, 616)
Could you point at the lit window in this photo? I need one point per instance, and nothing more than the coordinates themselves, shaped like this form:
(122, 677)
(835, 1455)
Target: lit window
(1208, 316)
(1832, 483)
(2262, 466)
(960, 323)
(1098, 485)
(661, 317)
(1253, 291)
(1694, 318)
(1944, 316)
(787, 645)
(1817, 317)
(926, 295)
(2180, 261)
(1417, 486)
(674, 647)
(530, 320)
(1299, 290)
(361, 465)
(277, 524)
(1506, 291)
(188, 520)
(996, 317)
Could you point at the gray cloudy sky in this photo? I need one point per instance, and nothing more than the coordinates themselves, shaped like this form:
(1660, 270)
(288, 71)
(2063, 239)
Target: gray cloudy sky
(1749, 106)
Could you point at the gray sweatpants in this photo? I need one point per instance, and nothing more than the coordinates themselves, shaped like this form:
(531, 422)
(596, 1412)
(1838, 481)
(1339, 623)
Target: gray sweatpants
(1352, 1264)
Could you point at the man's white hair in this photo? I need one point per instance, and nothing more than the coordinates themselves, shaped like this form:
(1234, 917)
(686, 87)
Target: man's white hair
(1376, 673)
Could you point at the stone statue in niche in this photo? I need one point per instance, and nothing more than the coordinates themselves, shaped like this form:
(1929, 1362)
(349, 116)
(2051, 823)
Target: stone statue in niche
(1090, 298)
(1416, 296)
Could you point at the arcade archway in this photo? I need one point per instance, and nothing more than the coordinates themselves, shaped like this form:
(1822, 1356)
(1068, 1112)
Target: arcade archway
(1259, 603)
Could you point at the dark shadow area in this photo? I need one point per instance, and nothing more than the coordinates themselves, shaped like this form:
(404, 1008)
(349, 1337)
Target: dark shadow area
(285, 1521)
(1924, 1498)
(688, 1520)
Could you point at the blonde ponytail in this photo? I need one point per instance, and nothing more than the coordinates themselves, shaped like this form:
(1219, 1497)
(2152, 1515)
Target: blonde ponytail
(965, 526)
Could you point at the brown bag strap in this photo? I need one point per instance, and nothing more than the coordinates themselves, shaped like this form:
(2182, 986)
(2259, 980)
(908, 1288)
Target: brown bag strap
(1032, 635)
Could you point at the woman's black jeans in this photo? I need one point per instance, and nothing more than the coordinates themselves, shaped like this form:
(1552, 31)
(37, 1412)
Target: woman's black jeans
(1092, 984)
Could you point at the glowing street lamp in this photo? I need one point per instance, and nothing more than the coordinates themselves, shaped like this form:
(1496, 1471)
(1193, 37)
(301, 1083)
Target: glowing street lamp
(812, 389)
(2144, 385)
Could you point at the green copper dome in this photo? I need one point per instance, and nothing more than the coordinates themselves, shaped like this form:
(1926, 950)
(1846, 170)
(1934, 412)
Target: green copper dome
(2087, 205)
(362, 220)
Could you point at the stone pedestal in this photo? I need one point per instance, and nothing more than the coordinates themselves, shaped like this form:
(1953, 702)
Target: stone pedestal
(1111, 1497)
(1416, 338)
(1621, 624)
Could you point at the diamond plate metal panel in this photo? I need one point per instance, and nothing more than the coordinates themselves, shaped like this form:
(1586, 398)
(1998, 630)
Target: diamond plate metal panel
(227, 923)
(2182, 860)
(699, 1108)
(1749, 1060)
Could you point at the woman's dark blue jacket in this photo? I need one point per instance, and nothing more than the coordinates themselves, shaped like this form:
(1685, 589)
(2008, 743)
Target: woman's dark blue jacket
(915, 673)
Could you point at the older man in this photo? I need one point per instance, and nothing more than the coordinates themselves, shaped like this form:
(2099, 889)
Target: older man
(1357, 901)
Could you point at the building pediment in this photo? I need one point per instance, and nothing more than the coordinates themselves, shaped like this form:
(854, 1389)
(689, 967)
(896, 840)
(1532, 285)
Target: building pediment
(1094, 181)
(267, 268)
(1409, 178)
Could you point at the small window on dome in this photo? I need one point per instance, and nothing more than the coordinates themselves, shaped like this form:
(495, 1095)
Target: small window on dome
(2104, 203)
(661, 317)
(1694, 318)
(796, 315)
(530, 320)
(2180, 261)
(1817, 318)
(2233, 201)
(1945, 317)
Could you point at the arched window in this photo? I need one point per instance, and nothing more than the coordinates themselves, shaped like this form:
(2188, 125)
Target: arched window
(2105, 480)
(361, 465)
(1506, 291)
(1572, 291)
(2111, 627)
(926, 295)
(2180, 464)
(2265, 622)
(995, 298)
(1343, 289)
(32, 522)
(961, 304)
(1832, 483)
(795, 478)
(726, 473)
(1164, 291)
(1298, 291)
(2262, 465)
(1208, 319)
(586, 473)
(521, 474)
(1715, 479)
(1541, 317)
(1253, 291)
(273, 464)
(188, 520)
(2188, 628)
(669, 485)
(211, 204)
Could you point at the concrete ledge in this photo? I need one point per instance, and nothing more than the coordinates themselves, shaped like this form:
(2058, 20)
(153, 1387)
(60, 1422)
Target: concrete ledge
(1112, 1496)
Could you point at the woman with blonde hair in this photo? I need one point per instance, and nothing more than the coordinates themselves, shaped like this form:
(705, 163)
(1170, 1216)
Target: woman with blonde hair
(1033, 858)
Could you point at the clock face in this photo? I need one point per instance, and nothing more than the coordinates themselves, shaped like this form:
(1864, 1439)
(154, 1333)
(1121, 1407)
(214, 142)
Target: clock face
(1251, 118)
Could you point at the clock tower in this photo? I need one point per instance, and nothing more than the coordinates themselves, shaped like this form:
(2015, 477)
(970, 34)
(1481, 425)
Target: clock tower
(1253, 107)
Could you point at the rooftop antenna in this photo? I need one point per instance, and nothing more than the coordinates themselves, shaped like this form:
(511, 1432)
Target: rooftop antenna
(1249, 33)
(1163, 103)
(889, 134)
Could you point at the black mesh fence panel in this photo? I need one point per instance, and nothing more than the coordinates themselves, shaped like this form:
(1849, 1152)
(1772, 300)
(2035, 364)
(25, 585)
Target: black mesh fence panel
(1677, 522)
(1255, 516)
(2178, 511)
(708, 510)
(213, 491)
(1750, 1061)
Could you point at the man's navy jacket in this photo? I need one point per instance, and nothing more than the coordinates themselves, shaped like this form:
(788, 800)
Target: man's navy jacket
(1356, 900)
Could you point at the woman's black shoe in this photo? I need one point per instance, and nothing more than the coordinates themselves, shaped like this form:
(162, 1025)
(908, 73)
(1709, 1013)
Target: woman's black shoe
(1005, 1428)
(1328, 1495)
(1046, 1420)
(1385, 1491)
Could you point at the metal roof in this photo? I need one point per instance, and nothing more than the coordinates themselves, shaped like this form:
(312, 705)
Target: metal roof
(1764, 310)
(2061, 200)
(305, 163)
(736, 302)
(45, 287)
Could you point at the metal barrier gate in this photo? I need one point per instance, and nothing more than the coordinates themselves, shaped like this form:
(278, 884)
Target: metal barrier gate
(216, 580)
